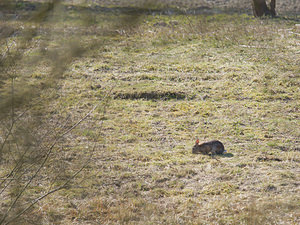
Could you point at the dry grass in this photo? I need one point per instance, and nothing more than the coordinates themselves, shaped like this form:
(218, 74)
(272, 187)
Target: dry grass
(227, 77)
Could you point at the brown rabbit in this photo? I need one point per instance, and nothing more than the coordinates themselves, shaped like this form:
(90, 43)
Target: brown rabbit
(213, 147)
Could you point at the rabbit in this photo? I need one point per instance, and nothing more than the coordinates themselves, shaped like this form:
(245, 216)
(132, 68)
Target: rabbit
(213, 147)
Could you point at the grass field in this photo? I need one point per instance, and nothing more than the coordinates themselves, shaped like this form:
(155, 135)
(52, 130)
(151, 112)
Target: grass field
(283, 6)
(161, 83)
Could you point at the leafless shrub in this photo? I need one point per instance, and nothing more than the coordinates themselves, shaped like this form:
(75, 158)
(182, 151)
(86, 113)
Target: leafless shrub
(32, 165)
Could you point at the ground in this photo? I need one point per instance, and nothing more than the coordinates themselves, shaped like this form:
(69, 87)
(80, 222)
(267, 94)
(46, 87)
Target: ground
(159, 84)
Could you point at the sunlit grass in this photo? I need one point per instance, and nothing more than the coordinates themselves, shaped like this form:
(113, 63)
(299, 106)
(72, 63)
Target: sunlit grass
(227, 77)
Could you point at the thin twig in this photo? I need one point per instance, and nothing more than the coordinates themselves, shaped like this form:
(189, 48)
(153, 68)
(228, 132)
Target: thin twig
(29, 182)
(67, 182)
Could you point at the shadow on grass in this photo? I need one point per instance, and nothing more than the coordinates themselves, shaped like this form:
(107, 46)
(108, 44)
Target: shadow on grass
(153, 95)
(227, 155)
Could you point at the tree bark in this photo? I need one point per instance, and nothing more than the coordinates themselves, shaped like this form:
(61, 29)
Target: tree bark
(272, 7)
(260, 8)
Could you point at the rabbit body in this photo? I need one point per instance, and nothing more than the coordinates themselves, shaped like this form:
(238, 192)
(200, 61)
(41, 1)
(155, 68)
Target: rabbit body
(213, 147)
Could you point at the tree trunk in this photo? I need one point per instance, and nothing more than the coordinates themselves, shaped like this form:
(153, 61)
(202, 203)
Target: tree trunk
(260, 8)
(272, 7)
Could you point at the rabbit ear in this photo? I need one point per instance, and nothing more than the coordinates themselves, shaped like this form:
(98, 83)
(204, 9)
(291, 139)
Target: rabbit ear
(197, 141)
